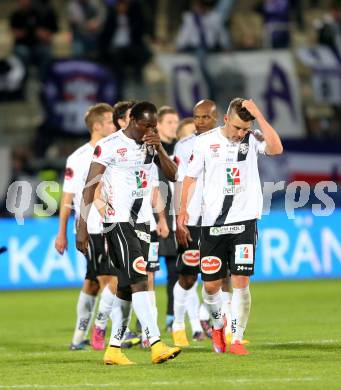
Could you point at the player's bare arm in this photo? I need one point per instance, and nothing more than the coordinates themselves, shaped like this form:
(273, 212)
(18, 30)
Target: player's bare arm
(158, 205)
(95, 174)
(182, 232)
(98, 199)
(272, 139)
(61, 243)
(163, 161)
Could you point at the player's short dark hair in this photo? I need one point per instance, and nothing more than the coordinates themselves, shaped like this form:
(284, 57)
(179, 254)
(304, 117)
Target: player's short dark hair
(120, 110)
(95, 113)
(141, 107)
(236, 107)
(164, 110)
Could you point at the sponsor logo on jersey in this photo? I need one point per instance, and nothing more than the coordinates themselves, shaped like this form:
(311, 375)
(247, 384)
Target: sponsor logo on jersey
(97, 151)
(191, 158)
(233, 181)
(191, 257)
(140, 265)
(210, 264)
(243, 148)
(141, 184)
(231, 229)
(244, 254)
(141, 179)
(215, 150)
(143, 236)
(233, 176)
(153, 252)
(68, 173)
(122, 151)
(110, 212)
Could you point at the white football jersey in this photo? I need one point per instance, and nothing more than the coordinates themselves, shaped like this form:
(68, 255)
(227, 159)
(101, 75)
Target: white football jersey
(127, 179)
(231, 185)
(76, 172)
(182, 155)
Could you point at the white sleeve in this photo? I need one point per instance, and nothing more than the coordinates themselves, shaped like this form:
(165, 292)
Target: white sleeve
(197, 160)
(259, 145)
(103, 153)
(70, 176)
(154, 176)
(181, 159)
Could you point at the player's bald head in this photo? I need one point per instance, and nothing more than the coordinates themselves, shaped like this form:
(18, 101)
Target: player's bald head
(207, 105)
(205, 115)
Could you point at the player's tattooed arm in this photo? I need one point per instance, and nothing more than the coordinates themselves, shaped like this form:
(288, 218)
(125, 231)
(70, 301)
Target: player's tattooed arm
(94, 176)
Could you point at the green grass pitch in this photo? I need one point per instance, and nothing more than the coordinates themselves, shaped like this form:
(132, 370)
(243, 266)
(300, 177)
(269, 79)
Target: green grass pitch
(294, 329)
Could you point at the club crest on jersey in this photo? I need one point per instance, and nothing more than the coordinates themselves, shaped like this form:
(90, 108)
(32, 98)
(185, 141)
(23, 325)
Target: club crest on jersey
(215, 150)
(68, 173)
(191, 258)
(176, 160)
(244, 254)
(97, 151)
(140, 265)
(122, 152)
(243, 148)
(210, 264)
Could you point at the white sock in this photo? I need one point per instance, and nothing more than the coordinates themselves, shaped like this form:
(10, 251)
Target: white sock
(120, 317)
(152, 298)
(204, 315)
(104, 308)
(240, 310)
(144, 312)
(180, 300)
(213, 304)
(85, 307)
(226, 298)
(192, 306)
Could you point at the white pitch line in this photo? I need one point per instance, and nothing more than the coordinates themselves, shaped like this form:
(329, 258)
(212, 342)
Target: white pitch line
(245, 381)
(301, 342)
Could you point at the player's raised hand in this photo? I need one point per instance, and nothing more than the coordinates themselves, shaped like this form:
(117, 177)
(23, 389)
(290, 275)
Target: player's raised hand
(152, 139)
(82, 238)
(250, 105)
(61, 243)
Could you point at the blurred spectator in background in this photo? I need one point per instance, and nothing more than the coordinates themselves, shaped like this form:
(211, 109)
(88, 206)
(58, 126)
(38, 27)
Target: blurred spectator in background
(203, 31)
(203, 27)
(329, 29)
(122, 41)
(86, 19)
(33, 27)
(186, 127)
(275, 14)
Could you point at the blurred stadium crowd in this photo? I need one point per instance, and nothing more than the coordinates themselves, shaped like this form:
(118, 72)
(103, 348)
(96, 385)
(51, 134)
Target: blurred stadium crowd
(123, 38)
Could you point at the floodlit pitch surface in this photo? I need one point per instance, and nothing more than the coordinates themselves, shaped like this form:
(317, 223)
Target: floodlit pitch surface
(295, 333)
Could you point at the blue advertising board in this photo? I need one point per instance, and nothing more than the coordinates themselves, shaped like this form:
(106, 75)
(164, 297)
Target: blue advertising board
(306, 247)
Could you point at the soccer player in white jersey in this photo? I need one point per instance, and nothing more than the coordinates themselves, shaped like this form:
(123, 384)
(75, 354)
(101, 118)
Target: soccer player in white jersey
(121, 112)
(128, 156)
(205, 118)
(100, 124)
(231, 204)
